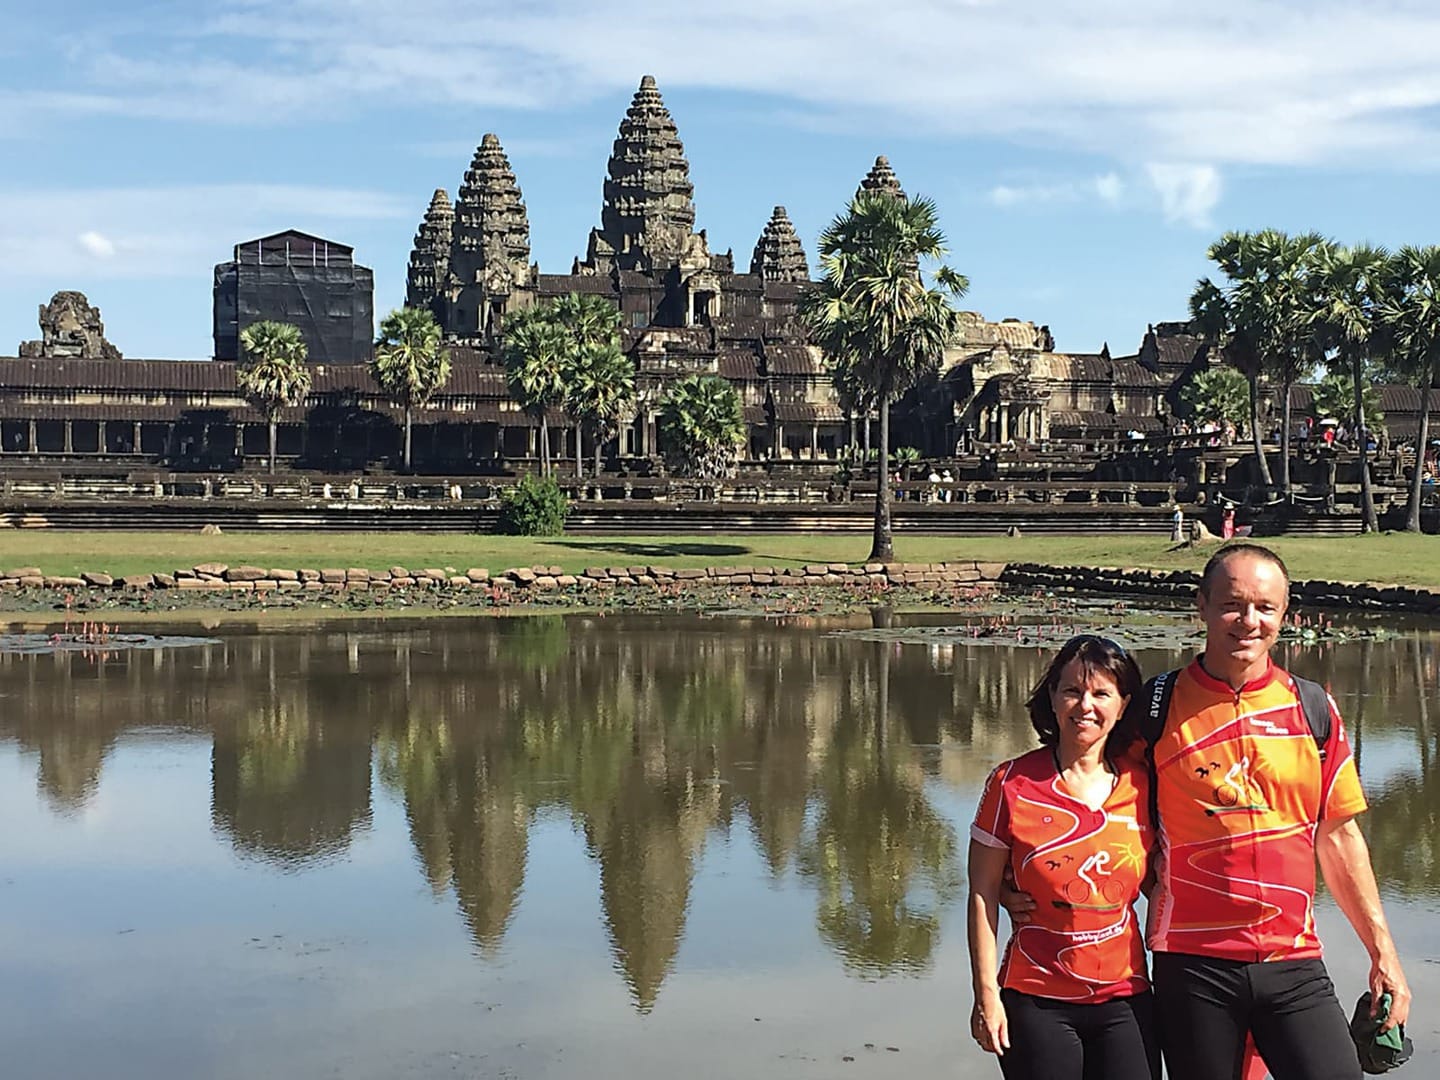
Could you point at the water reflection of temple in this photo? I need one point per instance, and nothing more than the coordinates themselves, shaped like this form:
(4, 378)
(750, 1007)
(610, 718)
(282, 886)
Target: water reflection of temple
(652, 738)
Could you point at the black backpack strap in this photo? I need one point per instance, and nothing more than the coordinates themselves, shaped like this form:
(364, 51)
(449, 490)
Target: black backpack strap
(1155, 705)
(1315, 704)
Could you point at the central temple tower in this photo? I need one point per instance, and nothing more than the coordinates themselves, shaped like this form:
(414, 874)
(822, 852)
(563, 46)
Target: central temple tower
(648, 220)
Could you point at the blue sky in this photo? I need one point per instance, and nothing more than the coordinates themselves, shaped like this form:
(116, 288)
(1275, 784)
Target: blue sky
(1083, 155)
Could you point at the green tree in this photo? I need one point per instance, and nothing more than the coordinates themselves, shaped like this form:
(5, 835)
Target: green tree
(410, 363)
(1218, 395)
(1411, 314)
(1350, 287)
(702, 426)
(599, 378)
(599, 390)
(1288, 268)
(272, 374)
(1335, 396)
(874, 311)
(1242, 319)
(535, 351)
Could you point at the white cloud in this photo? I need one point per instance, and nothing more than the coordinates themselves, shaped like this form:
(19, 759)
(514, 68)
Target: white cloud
(1108, 189)
(166, 231)
(96, 244)
(1188, 193)
(1235, 81)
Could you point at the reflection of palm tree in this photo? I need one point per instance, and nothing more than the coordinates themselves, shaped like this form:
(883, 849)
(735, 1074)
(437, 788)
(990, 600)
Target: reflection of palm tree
(878, 846)
(285, 787)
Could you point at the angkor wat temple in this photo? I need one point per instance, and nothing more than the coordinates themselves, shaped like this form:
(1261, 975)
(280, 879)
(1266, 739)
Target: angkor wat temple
(685, 309)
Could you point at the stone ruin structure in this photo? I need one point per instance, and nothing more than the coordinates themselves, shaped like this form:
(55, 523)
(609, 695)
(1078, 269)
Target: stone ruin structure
(685, 308)
(70, 327)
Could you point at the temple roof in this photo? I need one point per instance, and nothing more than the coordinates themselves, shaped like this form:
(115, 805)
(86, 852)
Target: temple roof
(491, 231)
(649, 210)
(881, 177)
(430, 255)
(779, 255)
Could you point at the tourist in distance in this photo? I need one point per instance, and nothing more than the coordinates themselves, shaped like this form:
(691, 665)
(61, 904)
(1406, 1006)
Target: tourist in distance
(1071, 822)
(1248, 795)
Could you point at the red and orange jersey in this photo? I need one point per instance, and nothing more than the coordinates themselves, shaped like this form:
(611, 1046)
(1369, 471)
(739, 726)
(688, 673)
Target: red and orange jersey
(1083, 867)
(1241, 788)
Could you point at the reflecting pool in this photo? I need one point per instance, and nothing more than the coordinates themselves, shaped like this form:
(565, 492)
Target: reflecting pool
(556, 846)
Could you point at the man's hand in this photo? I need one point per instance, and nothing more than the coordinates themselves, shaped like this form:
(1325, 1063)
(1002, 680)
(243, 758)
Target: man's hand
(1345, 863)
(1387, 978)
(1018, 905)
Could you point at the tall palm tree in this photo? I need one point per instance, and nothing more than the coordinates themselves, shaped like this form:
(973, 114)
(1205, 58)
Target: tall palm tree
(535, 349)
(599, 389)
(1238, 317)
(1288, 265)
(1350, 287)
(874, 310)
(410, 362)
(272, 373)
(593, 323)
(1411, 314)
(702, 426)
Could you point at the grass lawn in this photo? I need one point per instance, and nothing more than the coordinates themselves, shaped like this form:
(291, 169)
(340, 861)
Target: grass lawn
(1391, 558)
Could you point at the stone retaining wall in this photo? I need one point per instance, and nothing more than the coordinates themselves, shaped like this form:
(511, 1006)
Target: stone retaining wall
(521, 580)
(1181, 584)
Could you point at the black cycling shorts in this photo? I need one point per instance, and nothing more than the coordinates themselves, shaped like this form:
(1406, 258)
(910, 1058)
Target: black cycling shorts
(1205, 1008)
(1060, 1040)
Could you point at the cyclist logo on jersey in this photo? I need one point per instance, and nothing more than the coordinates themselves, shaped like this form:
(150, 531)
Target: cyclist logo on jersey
(1093, 888)
(1235, 792)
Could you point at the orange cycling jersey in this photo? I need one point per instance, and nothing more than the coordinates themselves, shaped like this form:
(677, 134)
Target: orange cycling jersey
(1084, 869)
(1241, 787)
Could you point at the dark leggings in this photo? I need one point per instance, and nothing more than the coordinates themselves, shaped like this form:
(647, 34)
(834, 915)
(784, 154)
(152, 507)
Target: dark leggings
(1205, 1008)
(1060, 1040)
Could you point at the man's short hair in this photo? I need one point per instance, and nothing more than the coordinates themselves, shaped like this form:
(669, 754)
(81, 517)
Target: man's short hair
(1229, 551)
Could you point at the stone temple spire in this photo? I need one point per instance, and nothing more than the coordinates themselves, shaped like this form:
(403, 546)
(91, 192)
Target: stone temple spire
(779, 255)
(430, 257)
(492, 232)
(649, 214)
(881, 178)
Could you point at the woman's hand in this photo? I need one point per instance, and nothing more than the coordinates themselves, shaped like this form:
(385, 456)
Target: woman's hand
(988, 1023)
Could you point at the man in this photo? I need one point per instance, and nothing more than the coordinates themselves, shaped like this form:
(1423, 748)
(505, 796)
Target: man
(1247, 802)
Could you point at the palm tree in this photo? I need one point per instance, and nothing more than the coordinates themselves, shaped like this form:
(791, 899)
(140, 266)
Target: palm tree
(874, 311)
(1411, 314)
(410, 363)
(1218, 395)
(702, 424)
(1335, 396)
(593, 323)
(535, 350)
(1240, 320)
(1350, 287)
(1289, 264)
(599, 389)
(272, 373)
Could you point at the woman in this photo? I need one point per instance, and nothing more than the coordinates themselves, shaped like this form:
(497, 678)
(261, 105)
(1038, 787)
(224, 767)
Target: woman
(1071, 821)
